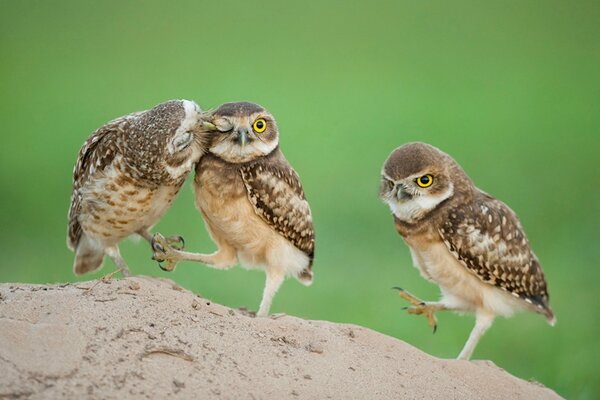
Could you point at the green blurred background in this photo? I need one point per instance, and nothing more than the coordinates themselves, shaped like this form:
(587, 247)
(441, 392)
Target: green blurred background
(511, 89)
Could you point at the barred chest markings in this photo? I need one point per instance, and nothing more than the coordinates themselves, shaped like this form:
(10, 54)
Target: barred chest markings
(115, 207)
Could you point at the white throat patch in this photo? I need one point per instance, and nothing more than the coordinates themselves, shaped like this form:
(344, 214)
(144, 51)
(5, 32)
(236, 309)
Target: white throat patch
(234, 153)
(409, 211)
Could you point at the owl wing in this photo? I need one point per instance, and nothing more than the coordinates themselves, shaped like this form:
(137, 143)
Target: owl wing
(488, 239)
(275, 192)
(97, 152)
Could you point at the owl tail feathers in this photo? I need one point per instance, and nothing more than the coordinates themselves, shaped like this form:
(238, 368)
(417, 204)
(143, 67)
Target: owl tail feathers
(88, 258)
(306, 276)
(547, 312)
(550, 316)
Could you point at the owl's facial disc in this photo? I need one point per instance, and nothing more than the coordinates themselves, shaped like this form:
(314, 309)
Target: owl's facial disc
(243, 138)
(413, 197)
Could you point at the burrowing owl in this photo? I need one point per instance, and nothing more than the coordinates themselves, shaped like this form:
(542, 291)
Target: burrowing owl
(467, 242)
(126, 176)
(252, 202)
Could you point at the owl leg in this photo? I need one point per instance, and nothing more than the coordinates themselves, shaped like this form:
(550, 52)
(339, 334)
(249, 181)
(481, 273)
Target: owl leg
(272, 285)
(422, 307)
(483, 321)
(223, 258)
(115, 255)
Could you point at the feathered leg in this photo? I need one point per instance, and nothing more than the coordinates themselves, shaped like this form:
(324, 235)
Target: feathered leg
(115, 255)
(483, 320)
(225, 257)
(272, 285)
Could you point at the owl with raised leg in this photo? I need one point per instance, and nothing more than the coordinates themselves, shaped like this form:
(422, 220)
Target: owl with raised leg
(127, 174)
(464, 240)
(252, 202)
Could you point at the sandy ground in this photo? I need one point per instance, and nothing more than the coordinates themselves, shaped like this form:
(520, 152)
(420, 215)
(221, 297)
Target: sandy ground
(148, 338)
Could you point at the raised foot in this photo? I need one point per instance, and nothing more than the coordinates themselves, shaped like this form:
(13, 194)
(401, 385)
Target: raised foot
(163, 250)
(420, 307)
(176, 242)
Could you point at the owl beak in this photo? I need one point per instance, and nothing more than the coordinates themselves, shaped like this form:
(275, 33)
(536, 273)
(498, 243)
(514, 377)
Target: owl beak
(402, 194)
(209, 126)
(242, 137)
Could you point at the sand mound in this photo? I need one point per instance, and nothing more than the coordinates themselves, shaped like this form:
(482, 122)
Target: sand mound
(148, 338)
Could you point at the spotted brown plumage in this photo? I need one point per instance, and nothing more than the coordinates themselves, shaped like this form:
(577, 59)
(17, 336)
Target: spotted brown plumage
(126, 176)
(251, 201)
(487, 238)
(95, 155)
(275, 192)
(464, 240)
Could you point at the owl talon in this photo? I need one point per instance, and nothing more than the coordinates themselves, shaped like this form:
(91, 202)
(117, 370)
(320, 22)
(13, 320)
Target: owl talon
(169, 265)
(176, 242)
(161, 266)
(420, 307)
(163, 252)
(428, 311)
(156, 246)
(415, 301)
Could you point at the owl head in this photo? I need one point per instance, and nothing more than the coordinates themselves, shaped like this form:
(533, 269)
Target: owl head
(165, 141)
(242, 132)
(416, 178)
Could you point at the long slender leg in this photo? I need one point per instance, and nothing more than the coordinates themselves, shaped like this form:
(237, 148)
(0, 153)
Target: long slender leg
(145, 233)
(483, 320)
(115, 255)
(427, 308)
(272, 285)
(225, 257)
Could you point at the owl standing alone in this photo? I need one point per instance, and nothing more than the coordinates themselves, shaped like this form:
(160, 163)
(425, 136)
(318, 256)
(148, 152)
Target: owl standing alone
(252, 202)
(127, 174)
(467, 242)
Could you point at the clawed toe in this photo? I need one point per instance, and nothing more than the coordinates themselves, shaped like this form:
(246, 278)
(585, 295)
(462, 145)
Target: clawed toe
(163, 252)
(176, 242)
(164, 268)
(426, 310)
(415, 301)
(419, 307)
(157, 239)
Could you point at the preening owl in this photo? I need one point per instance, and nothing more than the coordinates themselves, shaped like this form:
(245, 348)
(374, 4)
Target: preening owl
(127, 174)
(467, 242)
(252, 202)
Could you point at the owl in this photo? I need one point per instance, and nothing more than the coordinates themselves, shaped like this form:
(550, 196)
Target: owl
(127, 174)
(252, 202)
(464, 240)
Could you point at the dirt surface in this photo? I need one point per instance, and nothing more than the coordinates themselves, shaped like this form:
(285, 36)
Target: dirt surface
(148, 338)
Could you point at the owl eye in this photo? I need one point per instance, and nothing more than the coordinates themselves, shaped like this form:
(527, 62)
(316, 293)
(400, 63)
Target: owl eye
(425, 181)
(390, 184)
(259, 125)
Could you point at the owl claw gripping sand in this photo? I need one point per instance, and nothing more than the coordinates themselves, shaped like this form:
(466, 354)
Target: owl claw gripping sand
(467, 242)
(127, 174)
(252, 202)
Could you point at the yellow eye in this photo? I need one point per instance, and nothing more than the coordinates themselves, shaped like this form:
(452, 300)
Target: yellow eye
(425, 181)
(259, 125)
